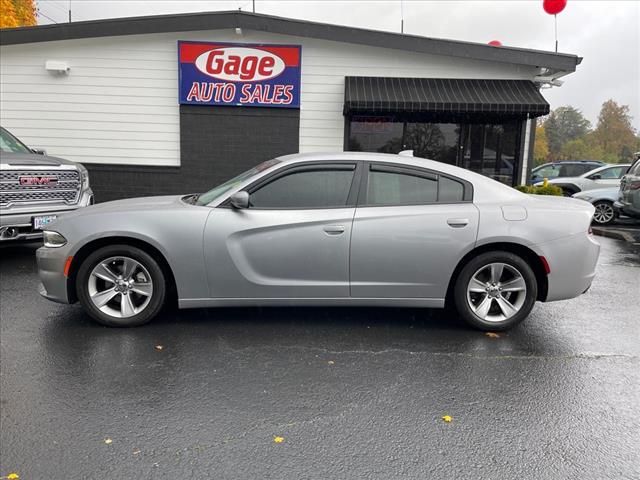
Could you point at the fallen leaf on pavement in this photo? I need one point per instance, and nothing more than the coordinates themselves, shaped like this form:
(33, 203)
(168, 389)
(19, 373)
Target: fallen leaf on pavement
(492, 335)
(159, 347)
(331, 362)
(447, 418)
(108, 441)
(13, 476)
(136, 451)
(278, 439)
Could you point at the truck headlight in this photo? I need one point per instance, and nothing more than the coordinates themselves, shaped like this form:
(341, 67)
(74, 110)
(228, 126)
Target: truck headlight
(53, 239)
(84, 176)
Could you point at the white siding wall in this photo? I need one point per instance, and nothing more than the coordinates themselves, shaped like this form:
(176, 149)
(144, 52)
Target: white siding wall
(119, 102)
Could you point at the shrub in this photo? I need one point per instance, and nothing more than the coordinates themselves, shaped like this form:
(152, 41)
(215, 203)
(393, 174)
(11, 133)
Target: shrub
(541, 190)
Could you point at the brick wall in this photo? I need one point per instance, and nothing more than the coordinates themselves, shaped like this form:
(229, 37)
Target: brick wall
(216, 143)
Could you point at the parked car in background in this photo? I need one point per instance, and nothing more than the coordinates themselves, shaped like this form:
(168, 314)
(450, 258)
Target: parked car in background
(35, 189)
(569, 168)
(326, 230)
(602, 177)
(602, 200)
(628, 202)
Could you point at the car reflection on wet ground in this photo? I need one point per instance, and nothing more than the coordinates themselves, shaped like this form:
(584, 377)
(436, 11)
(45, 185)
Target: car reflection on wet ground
(345, 392)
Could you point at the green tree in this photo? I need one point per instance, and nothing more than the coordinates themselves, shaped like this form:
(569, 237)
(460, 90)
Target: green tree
(584, 148)
(540, 146)
(563, 125)
(614, 133)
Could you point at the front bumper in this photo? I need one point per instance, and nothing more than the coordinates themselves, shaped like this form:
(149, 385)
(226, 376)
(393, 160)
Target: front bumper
(626, 209)
(16, 223)
(51, 263)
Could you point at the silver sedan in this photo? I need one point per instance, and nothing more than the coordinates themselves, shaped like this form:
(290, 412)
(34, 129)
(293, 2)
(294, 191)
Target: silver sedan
(326, 230)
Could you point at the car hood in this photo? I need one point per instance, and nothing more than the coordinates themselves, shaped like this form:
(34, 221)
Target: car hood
(32, 160)
(139, 203)
(124, 207)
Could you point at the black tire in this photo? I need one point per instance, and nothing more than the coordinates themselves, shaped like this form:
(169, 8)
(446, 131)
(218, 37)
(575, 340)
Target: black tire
(604, 204)
(477, 264)
(157, 297)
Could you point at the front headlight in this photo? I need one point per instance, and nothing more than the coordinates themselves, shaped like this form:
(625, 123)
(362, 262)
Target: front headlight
(84, 176)
(53, 239)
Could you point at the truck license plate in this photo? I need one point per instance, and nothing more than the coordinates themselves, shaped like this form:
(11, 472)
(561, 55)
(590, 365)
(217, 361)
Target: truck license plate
(40, 222)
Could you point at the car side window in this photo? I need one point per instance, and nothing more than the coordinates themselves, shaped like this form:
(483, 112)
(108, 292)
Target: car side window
(611, 173)
(393, 187)
(308, 188)
(548, 172)
(635, 169)
(571, 170)
(450, 190)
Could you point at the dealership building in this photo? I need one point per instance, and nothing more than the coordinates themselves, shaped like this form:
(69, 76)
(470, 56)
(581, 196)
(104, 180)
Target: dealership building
(179, 103)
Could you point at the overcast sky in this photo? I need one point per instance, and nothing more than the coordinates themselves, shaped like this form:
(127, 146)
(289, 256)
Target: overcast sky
(604, 32)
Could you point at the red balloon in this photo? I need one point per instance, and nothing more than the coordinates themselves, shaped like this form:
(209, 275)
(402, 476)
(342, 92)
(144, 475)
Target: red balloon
(554, 7)
(495, 43)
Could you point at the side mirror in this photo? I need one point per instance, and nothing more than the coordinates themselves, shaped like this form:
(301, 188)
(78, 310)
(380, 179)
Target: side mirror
(39, 151)
(240, 200)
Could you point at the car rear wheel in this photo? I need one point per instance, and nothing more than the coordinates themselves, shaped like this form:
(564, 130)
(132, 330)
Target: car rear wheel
(121, 286)
(605, 213)
(495, 291)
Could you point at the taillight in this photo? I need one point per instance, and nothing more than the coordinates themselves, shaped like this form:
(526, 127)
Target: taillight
(634, 185)
(590, 231)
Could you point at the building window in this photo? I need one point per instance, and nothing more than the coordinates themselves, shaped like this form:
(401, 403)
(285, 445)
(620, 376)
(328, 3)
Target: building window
(375, 134)
(492, 149)
(436, 141)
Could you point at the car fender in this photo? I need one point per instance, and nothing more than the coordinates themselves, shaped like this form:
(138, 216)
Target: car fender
(178, 236)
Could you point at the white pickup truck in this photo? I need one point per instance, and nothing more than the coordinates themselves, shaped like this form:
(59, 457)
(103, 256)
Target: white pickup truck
(35, 189)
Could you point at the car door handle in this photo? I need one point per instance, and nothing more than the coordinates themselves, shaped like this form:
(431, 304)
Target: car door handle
(458, 222)
(333, 229)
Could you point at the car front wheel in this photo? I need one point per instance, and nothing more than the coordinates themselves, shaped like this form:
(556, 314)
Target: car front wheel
(495, 291)
(605, 213)
(121, 286)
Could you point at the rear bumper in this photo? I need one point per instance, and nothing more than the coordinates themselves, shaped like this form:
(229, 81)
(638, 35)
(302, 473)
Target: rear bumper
(51, 271)
(572, 262)
(17, 225)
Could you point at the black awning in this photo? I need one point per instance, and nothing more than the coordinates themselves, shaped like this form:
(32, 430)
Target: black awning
(443, 95)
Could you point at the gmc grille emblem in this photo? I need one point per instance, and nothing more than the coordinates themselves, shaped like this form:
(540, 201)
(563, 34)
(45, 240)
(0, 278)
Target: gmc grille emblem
(38, 180)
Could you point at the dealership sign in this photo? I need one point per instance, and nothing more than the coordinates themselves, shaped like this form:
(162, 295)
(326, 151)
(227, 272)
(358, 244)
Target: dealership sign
(239, 74)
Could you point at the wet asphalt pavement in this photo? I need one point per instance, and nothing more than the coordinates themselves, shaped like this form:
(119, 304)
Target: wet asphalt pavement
(354, 393)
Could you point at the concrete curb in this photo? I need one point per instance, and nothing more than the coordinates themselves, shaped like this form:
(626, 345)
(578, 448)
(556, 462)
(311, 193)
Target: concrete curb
(611, 233)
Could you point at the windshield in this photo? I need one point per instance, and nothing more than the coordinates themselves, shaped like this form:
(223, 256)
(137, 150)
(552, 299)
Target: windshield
(10, 144)
(214, 193)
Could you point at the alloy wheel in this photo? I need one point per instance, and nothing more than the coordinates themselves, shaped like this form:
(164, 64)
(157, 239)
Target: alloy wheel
(604, 213)
(496, 292)
(120, 287)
